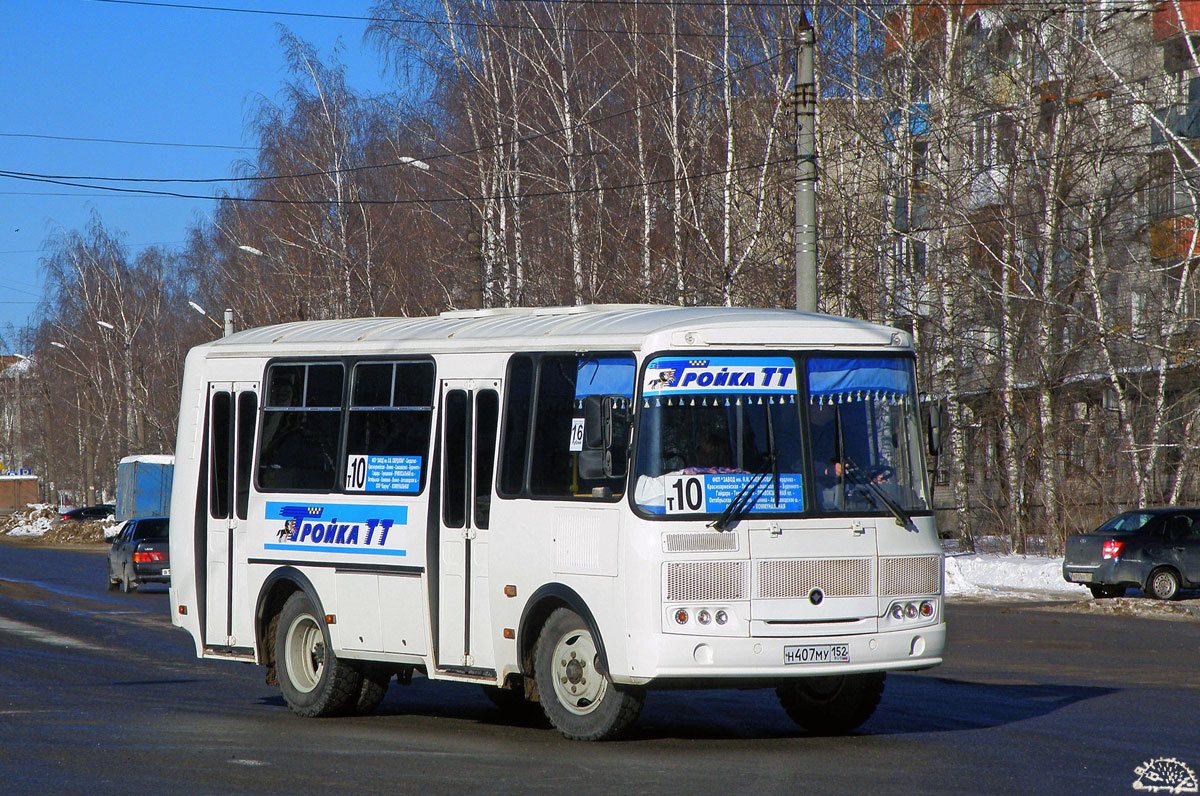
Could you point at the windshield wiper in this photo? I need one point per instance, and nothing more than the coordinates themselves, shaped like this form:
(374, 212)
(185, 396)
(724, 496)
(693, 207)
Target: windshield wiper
(745, 496)
(856, 473)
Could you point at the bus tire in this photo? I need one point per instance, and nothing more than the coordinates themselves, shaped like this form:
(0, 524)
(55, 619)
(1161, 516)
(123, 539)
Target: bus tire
(375, 679)
(832, 705)
(313, 681)
(579, 699)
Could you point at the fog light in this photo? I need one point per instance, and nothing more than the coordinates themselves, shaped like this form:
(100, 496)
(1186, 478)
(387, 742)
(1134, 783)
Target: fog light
(681, 616)
(704, 617)
(897, 611)
(927, 609)
(910, 611)
(722, 617)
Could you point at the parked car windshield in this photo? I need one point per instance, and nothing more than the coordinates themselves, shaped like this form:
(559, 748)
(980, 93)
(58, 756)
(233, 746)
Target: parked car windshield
(1127, 522)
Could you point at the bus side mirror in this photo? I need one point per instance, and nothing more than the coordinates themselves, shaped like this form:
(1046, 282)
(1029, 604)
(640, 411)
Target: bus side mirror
(594, 422)
(935, 428)
(605, 437)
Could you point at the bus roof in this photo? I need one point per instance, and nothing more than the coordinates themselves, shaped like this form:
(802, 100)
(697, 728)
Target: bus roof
(584, 327)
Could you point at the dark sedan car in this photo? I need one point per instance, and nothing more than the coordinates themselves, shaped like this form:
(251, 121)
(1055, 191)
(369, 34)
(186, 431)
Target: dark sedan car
(139, 554)
(85, 513)
(1156, 550)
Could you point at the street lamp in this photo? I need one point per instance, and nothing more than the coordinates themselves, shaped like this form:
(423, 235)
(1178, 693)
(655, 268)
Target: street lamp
(227, 327)
(481, 292)
(130, 411)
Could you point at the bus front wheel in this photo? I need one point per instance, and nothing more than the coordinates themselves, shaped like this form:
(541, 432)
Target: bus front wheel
(832, 705)
(313, 681)
(578, 696)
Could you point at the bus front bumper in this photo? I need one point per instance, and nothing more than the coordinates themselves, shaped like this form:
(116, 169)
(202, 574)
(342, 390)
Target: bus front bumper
(759, 658)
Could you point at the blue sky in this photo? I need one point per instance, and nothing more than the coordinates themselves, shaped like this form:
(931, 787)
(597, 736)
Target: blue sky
(100, 70)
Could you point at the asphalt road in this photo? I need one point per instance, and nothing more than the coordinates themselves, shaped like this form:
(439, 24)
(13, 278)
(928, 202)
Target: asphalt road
(102, 696)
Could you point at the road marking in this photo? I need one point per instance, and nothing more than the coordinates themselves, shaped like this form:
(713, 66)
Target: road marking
(45, 636)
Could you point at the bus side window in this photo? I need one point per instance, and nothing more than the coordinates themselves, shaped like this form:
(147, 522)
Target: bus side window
(517, 409)
(222, 408)
(551, 469)
(247, 417)
(302, 417)
(391, 411)
(487, 413)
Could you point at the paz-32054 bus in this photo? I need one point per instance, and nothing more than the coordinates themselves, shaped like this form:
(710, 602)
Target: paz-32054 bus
(567, 506)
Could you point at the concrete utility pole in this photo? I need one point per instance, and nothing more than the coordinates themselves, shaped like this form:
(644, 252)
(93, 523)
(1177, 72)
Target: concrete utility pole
(805, 233)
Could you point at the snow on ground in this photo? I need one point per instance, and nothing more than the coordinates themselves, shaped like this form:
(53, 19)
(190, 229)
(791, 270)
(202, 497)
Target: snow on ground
(1009, 577)
(35, 526)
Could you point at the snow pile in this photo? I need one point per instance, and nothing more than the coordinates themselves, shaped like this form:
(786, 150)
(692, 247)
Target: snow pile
(37, 521)
(1008, 576)
(36, 525)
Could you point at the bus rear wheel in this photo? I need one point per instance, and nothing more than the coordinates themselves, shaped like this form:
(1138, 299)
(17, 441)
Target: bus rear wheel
(832, 705)
(577, 695)
(313, 681)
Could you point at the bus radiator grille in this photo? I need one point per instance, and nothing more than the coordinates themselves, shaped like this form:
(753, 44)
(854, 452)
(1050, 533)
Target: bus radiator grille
(689, 581)
(836, 577)
(910, 575)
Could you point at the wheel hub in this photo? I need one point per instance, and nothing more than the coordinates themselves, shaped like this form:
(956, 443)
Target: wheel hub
(577, 683)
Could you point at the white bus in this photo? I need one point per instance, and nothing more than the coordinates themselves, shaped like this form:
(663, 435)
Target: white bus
(568, 506)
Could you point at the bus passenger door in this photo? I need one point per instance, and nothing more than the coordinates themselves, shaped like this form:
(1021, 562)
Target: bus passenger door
(232, 418)
(470, 414)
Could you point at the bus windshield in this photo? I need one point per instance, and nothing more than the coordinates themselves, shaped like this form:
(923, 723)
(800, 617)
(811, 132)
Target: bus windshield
(729, 430)
(862, 418)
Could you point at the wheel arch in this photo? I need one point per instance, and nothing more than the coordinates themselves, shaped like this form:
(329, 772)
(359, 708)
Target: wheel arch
(538, 608)
(275, 591)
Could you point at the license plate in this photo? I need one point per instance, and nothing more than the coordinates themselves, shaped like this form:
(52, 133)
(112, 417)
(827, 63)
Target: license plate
(817, 653)
(166, 572)
(1081, 577)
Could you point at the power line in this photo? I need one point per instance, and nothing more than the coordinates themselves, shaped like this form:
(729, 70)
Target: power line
(33, 176)
(420, 200)
(122, 141)
(414, 20)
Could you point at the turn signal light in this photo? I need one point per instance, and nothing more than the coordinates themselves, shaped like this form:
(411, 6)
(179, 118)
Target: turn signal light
(681, 616)
(1112, 549)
